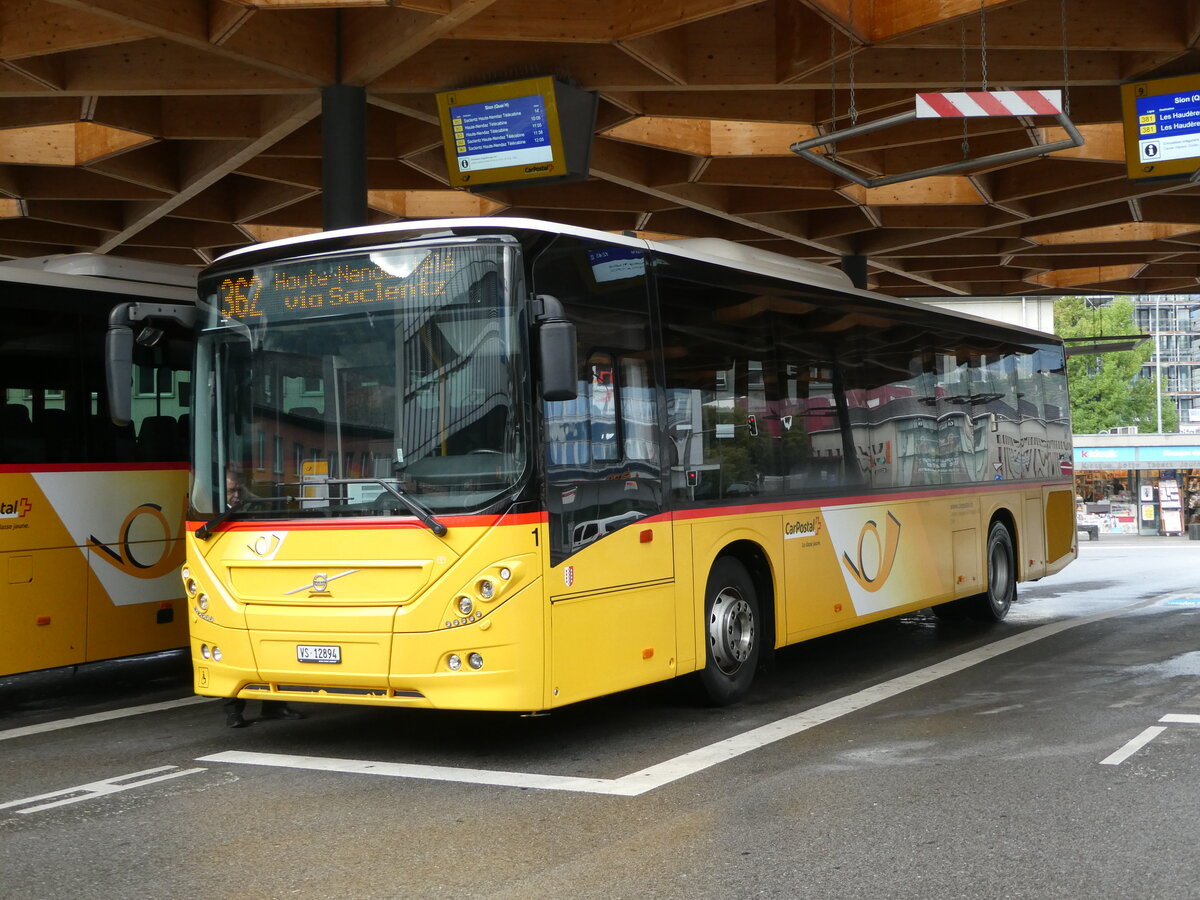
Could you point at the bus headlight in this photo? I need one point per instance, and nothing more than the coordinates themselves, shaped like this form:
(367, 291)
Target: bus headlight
(189, 585)
(487, 590)
(465, 605)
(205, 652)
(475, 661)
(202, 601)
(454, 662)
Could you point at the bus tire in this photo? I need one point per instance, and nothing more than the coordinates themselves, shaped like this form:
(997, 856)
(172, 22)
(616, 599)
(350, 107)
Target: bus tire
(993, 604)
(732, 630)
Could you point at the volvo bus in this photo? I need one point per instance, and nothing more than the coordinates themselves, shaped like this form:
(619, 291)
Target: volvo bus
(503, 464)
(92, 514)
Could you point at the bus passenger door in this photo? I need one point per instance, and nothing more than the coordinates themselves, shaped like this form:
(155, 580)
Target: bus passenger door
(610, 579)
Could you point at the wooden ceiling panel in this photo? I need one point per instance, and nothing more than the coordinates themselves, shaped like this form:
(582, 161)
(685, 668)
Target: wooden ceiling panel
(713, 92)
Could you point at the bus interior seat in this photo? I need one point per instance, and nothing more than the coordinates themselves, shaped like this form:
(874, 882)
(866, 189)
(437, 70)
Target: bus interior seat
(110, 442)
(17, 441)
(157, 439)
(56, 429)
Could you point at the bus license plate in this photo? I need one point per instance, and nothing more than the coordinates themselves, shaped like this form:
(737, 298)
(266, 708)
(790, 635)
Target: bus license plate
(318, 653)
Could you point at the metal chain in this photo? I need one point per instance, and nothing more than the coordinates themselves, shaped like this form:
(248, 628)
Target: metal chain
(1066, 65)
(983, 42)
(962, 42)
(853, 98)
(832, 87)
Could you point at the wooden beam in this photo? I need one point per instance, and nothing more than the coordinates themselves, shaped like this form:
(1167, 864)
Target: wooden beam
(40, 27)
(375, 41)
(279, 118)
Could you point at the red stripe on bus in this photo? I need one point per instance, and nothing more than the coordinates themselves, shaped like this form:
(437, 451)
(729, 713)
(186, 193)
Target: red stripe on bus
(861, 499)
(25, 468)
(535, 518)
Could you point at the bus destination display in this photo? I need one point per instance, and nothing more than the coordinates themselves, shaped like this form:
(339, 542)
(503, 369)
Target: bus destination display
(330, 287)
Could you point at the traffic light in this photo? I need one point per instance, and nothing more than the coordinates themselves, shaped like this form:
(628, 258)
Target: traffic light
(752, 424)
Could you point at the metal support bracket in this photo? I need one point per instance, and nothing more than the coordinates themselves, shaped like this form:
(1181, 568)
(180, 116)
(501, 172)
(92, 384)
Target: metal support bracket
(803, 148)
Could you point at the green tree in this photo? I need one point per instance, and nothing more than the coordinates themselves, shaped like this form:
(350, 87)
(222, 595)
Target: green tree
(1106, 391)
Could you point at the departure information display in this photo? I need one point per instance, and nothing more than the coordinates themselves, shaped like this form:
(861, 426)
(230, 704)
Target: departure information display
(512, 132)
(1162, 127)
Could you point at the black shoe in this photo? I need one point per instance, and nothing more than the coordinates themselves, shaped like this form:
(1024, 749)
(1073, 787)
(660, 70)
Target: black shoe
(233, 719)
(282, 711)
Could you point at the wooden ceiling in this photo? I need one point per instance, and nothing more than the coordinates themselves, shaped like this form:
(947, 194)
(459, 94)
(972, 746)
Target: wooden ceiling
(177, 129)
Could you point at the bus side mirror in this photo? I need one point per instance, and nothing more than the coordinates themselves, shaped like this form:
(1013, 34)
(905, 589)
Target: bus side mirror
(118, 365)
(558, 350)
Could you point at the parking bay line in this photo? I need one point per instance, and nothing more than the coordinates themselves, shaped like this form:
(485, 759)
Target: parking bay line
(94, 718)
(671, 770)
(1133, 746)
(96, 789)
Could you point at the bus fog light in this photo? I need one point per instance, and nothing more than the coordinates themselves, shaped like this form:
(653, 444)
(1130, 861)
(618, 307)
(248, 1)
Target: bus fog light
(465, 605)
(506, 573)
(202, 601)
(475, 661)
(454, 662)
(205, 652)
(487, 590)
(217, 654)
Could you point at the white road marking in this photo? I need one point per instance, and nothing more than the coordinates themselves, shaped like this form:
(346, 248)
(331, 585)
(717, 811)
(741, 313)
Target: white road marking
(656, 776)
(1181, 719)
(99, 717)
(1133, 746)
(96, 789)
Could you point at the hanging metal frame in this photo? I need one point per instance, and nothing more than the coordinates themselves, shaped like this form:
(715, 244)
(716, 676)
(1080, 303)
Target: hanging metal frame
(830, 163)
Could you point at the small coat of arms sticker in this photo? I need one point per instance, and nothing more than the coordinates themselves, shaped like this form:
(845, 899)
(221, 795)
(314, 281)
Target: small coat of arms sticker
(569, 575)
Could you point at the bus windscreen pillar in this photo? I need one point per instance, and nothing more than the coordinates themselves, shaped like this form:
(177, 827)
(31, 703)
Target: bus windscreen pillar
(343, 156)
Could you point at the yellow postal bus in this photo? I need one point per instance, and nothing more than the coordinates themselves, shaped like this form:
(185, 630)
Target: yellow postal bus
(501, 464)
(92, 514)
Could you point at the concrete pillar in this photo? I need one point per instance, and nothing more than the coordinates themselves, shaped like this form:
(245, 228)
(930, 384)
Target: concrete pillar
(343, 156)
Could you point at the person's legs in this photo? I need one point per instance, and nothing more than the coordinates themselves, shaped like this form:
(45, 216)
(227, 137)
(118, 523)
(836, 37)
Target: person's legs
(278, 709)
(234, 707)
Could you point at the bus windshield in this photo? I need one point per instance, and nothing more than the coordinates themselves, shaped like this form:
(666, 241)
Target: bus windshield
(360, 384)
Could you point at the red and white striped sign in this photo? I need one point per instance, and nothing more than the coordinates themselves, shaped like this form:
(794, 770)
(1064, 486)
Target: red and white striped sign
(988, 103)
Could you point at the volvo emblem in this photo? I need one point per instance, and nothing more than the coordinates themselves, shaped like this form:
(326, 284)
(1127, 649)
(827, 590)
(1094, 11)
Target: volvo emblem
(320, 583)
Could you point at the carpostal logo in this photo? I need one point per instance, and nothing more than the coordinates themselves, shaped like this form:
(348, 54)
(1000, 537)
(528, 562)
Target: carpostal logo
(802, 528)
(874, 563)
(16, 509)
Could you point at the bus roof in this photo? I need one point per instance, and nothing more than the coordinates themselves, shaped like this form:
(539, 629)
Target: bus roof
(730, 253)
(105, 274)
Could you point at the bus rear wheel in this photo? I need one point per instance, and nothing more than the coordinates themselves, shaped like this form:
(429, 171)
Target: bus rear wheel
(993, 604)
(732, 632)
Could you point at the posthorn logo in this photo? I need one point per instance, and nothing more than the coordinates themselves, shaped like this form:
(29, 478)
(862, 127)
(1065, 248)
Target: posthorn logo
(875, 555)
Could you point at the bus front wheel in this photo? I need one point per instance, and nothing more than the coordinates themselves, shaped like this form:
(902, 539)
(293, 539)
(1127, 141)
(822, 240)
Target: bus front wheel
(994, 603)
(732, 631)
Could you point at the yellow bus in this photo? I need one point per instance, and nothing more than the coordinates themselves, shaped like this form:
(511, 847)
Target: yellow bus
(92, 514)
(503, 464)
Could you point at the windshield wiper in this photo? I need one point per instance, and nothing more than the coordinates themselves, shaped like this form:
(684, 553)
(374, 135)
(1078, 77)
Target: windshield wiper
(204, 532)
(414, 506)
